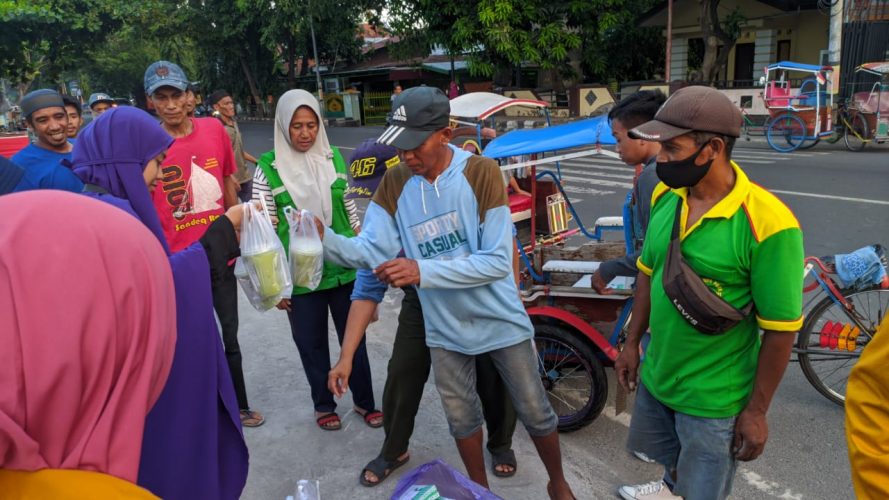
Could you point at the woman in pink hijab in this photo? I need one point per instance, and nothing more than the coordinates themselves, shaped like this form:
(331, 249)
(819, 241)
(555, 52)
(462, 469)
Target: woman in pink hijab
(88, 329)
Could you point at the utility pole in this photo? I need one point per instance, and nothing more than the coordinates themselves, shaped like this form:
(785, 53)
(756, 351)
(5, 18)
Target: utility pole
(669, 40)
(835, 45)
(315, 51)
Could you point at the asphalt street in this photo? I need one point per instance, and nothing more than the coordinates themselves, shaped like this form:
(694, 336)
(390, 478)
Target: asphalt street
(842, 202)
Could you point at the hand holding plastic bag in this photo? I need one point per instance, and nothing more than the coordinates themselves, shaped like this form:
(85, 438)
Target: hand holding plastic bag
(306, 252)
(263, 273)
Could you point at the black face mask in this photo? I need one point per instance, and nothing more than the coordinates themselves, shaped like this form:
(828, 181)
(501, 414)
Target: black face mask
(683, 173)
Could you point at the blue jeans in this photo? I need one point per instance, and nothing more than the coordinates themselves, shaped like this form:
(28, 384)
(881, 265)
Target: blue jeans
(697, 449)
(455, 379)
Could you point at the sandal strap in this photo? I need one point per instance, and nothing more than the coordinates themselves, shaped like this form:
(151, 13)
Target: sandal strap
(504, 458)
(372, 414)
(380, 467)
(327, 419)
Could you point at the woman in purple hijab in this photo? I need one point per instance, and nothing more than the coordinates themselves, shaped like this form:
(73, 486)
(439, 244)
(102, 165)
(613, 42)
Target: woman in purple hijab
(193, 447)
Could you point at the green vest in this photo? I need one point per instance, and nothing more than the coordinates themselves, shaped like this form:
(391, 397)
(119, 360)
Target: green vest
(334, 275)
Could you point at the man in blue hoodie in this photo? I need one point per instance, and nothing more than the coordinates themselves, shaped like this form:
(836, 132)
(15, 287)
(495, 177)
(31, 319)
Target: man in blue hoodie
(449, 211)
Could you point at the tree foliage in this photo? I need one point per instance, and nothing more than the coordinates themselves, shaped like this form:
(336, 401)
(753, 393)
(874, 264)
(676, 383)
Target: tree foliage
(589, 40)
(261, 46)
(42, 38)
(286, 30)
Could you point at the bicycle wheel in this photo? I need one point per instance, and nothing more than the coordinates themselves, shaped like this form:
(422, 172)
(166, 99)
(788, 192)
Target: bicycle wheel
(808, 144)
(855, 134)
(786, 133)
(825, 363)
(572, 375)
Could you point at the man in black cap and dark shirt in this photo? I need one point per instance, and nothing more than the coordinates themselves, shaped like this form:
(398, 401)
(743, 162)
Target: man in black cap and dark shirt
(224, 108)
(44, 112)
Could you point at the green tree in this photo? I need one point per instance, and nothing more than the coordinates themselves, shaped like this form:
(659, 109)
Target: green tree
(286, 30)
(572, 39)
(719, 37)
(43, 38)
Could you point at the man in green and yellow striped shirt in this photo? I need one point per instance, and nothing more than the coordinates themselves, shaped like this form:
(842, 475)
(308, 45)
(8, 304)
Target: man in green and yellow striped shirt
(703, 398)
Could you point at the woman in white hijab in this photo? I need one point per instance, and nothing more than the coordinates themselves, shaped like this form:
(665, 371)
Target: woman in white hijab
(305, 172)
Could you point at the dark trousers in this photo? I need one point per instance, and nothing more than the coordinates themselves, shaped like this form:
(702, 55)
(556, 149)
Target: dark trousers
(246, 192)
(225, 302)
(308, 324)
(408, 370)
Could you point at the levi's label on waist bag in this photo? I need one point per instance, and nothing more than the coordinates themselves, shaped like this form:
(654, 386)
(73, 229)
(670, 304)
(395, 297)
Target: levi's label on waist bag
(709, 313)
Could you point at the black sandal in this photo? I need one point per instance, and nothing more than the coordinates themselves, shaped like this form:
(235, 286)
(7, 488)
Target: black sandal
(381, 468)
(506, 458)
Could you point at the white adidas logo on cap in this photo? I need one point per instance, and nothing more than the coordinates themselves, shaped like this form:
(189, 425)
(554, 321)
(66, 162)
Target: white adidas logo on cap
(400, 114)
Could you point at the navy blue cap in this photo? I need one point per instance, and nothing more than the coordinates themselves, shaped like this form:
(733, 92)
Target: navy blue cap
(41, 99)
(367, 165)
(99, 97)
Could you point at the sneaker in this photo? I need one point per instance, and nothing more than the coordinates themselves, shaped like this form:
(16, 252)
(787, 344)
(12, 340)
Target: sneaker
(642, 456)
(655, 490)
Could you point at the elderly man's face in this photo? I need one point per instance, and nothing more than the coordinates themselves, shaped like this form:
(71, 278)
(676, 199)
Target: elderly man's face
(170, 105)
(428, 157)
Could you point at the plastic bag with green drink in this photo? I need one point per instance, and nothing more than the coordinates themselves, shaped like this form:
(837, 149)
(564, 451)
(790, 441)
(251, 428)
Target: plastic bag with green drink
(306, 252)
(256, 300)
(263, 259)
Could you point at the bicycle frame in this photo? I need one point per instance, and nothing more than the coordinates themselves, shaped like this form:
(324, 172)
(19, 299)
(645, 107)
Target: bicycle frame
(829, 286)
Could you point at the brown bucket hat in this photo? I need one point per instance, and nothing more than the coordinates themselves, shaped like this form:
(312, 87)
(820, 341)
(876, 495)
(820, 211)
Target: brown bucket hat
(696, 108)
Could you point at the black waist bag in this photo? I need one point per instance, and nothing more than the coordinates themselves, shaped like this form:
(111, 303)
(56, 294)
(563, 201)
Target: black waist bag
(703, 309)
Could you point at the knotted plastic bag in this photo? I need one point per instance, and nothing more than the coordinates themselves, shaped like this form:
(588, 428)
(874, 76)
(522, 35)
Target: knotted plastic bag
(306, 252)
(263, 259)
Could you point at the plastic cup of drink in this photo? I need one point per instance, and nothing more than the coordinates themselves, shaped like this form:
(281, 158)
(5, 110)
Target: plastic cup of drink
(266, 266)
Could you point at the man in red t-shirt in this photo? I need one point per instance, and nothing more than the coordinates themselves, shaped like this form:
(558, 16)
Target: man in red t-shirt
(187, 201)
(198, 186)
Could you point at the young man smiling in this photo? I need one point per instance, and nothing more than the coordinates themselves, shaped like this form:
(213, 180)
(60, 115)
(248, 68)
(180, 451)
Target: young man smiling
(715, 239)
(75, 117)
(44, 112)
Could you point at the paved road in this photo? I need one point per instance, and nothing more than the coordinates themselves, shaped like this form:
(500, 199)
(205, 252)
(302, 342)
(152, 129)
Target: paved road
(842, 202)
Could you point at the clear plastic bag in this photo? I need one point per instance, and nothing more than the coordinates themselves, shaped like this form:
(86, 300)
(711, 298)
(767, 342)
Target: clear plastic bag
(250, 291)
(264, 260)
(306, 252)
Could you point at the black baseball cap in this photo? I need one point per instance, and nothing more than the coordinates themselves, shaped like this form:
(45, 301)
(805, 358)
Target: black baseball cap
(692, 109)
(416, 114)
(217, 96)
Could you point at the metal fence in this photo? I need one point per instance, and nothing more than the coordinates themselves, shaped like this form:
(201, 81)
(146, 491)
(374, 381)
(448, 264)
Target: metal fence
(376, 106)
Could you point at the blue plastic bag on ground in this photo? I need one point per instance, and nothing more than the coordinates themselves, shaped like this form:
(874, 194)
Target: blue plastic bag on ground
(448, 482)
